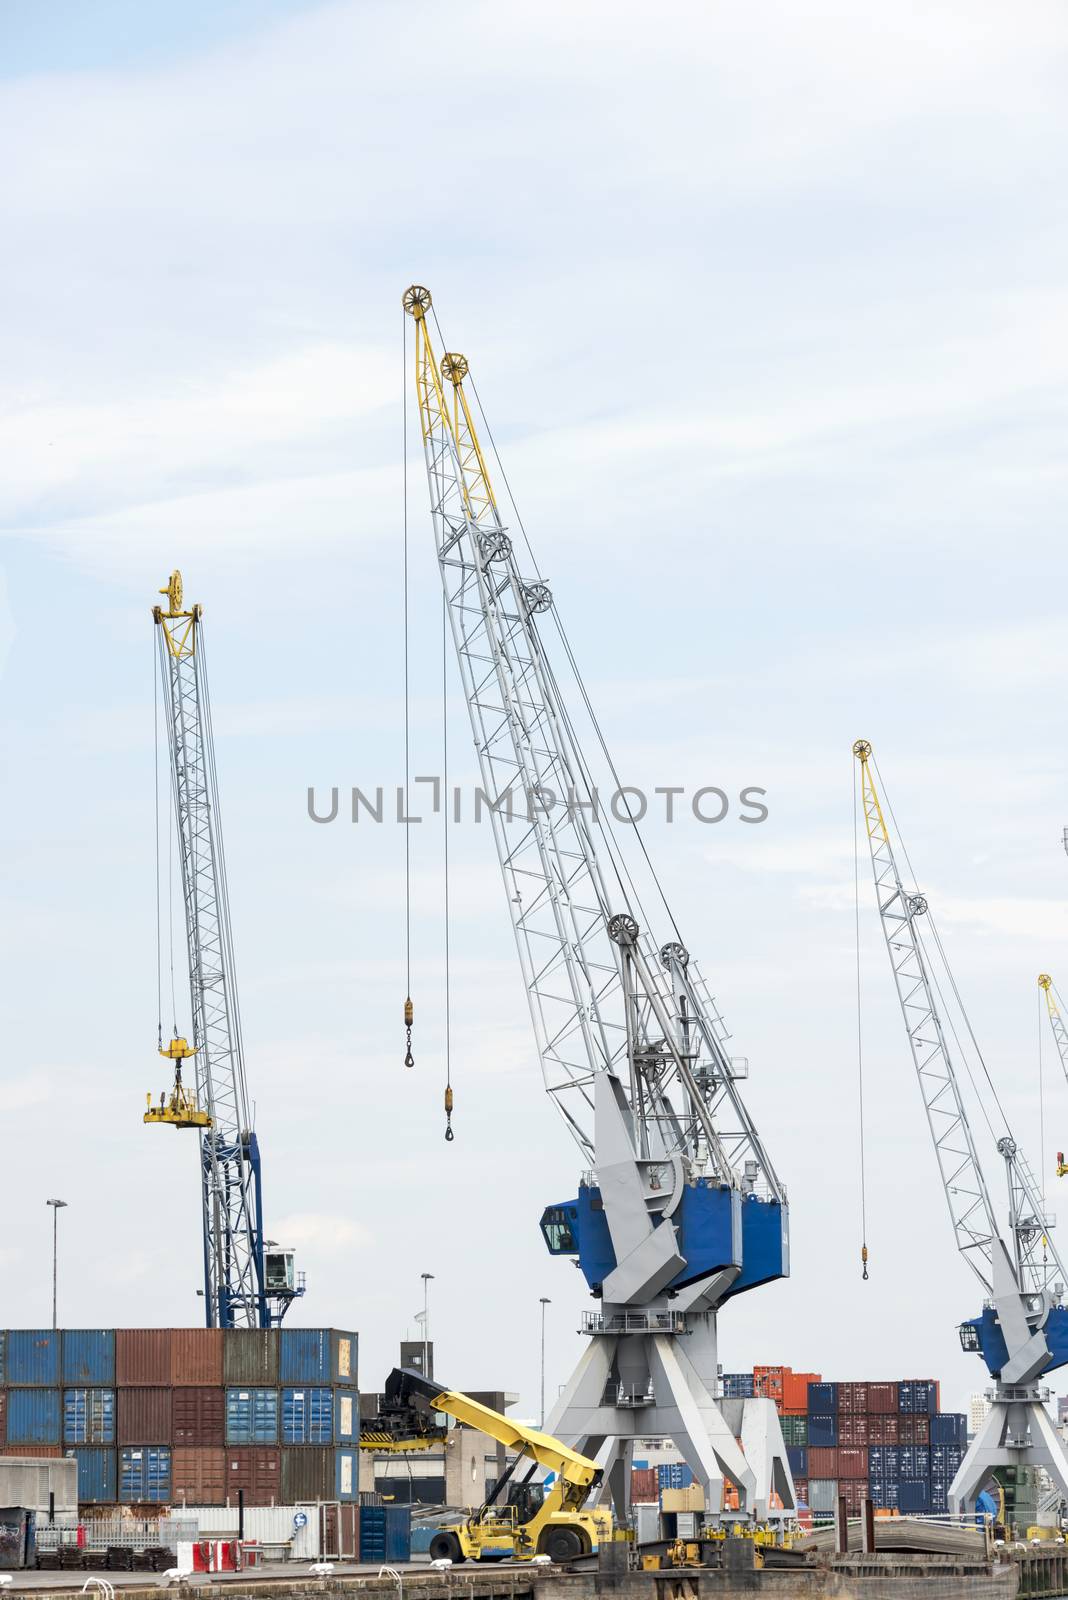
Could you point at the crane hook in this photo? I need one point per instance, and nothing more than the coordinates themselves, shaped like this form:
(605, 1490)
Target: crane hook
(449, 1135)
(409, 1015)
(864, 1263)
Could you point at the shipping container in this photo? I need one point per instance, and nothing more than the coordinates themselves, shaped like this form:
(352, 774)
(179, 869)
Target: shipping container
(252, 1416)
(884, 1462)
(801, 1491)
(3, 1416)
(797, 1455)
(144, 1416)
(257, 1470)
(822, 1493)
(914, 1429)
(854, 1491)
(89, 1416)
(644, 1487)
(883, 1428)
(768, 1382)
(142, 1357)
(914, 1496)
(196, 1357)
(145, 1474)
(822, 1462)
(882, 1398)
(32, 1358)
(98, 1475)
(949, 1427)
(853, 1399)
(31, 1451)
(915, 1461)
(250, 1357)
(945, 1459)
(321, 1473)
(822, 1399)
(822, 1430)
(917, 1395)
(317, 1356)
(3, 1357)
(795, 1390)
(198, 1474)
(795, 1430)
(852, 1430)
(347, 1416)
(852, 1462)
(89, 1357)
(738, 1385)
(385, 1533)
(198, 1417)
(307, 1415)
(34, 1416)
(674, 1475)
(883, 1494)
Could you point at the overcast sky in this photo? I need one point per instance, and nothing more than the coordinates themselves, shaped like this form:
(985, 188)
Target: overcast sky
(767, 307)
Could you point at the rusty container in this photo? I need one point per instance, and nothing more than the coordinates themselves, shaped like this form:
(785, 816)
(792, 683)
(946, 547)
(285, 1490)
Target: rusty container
(196, 1357)
(882, 1397)
(198, 1475)
(144, 1416)
(250, 1358)
(257, 1469)
(143, 1357)
(198, 1417)
(822, 1462)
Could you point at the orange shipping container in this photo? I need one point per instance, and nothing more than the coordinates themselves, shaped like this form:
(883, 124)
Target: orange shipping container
(196, 1357)
(795, 1390)
(31, 1451)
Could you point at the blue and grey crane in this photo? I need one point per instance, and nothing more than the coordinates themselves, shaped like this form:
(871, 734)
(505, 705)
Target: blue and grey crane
(249, 1282)
(1022, 1331)
(679, 1207)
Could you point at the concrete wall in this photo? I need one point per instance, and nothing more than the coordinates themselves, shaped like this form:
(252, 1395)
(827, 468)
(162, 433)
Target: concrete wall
(28, 1481)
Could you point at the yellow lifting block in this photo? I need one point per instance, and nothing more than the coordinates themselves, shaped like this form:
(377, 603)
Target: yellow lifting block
(179, 1109)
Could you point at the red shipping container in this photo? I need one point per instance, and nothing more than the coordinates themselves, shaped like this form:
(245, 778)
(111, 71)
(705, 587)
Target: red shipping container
(143, 1357)
(822, 1461)
(196, 1357)
(768, 1382)
(882, 1429)
(257, 1469)
(198, 1477)
(198, 1417)
(854, 1430)
(853, 1398)
(795, 1391)
(3, 1415)
(144, 1416)
(31, 1451)
(914, 1429)
(882, 1397)
(644, 1485)
(852, 1462)
(801, 1490)
(853, 1491)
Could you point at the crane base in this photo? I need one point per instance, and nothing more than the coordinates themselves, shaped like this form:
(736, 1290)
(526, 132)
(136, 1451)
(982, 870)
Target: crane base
(1018, 1433)
(650, 1384)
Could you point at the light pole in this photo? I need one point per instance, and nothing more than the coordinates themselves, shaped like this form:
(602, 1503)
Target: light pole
(543, 1302)
(428, 1278)
(57, 1207)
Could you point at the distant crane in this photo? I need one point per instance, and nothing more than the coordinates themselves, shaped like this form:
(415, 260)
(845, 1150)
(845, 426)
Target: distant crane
(247, 1282)
(1022, 1331)
(679, 1207)
(1060, 1039)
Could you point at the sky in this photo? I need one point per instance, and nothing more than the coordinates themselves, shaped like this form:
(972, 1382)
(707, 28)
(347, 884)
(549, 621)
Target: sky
(767, 311)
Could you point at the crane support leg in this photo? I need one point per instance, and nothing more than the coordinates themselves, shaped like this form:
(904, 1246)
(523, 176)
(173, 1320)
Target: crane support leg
(1017, 1432)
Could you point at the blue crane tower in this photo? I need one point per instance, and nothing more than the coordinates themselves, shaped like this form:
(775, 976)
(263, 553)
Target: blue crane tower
(1021, 1332)
(678, 1207)
(249, 1282)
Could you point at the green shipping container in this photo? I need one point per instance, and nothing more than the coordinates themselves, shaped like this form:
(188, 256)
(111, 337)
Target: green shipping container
(794, 1430)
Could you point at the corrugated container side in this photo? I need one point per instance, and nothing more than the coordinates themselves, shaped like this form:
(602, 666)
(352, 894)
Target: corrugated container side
(304, 1355)
(853, 1430)
(643, 1485)
(881, 1397)
(32, 1358)
(307, 1474)
(795, 1389)
(145, 1416)
(258, 1470)
(797, 1456)
(145, 1474)
(853, 1398)
(34, 1416)
(98, 1475)
(795, 1429)
(196, 1357)
(822, 1430)
(822, 1493)
(89, 1416)
(853, 1491)
(143, 1357)
(398, 1533)
(89, 1357)
(3, 1416)
(252, 1416)
(347, 1416)
(198, 1475)
(250, 1357)
(822, 1399)
(3, 1356)
(852, 1462)
(198, 1418)
(822, 1462)
(883, 1428)
(914, 1429)
(914, 1496)
(307, 1415)
(949, 1427)
(32, 1452)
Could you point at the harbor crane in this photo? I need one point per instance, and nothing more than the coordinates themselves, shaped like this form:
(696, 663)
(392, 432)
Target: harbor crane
(679, 1207)
(1022, 1331)
(1060, 1039)
(249, 1282)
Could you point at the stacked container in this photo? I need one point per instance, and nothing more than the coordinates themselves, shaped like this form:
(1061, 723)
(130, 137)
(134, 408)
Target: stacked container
(187, 1415)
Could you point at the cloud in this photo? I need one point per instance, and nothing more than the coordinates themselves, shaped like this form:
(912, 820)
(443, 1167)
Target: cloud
(320, 1233)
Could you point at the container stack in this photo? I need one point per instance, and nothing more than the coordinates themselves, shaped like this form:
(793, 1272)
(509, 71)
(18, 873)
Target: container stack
(172, 1416)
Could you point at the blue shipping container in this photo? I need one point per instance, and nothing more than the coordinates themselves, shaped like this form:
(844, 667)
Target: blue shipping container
(915, 1460)
(913, 1496)
(32, 1358)
(822, 1431)
(145, 1474)
(317, 1355)
(3, 1356)
(797, 1455)
(98, 1474)
(884, 1462)
(89, 1356)
(307, 1415)
(738, 1385)
(385, 1533)
(33, 1416)
(917, 1395)
(252, 1416)
(347, 1478)
(674, 1475)
(88, 1416)
(949, 1427)
(347, 1415)
(945, 1459)
(822, 1399)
